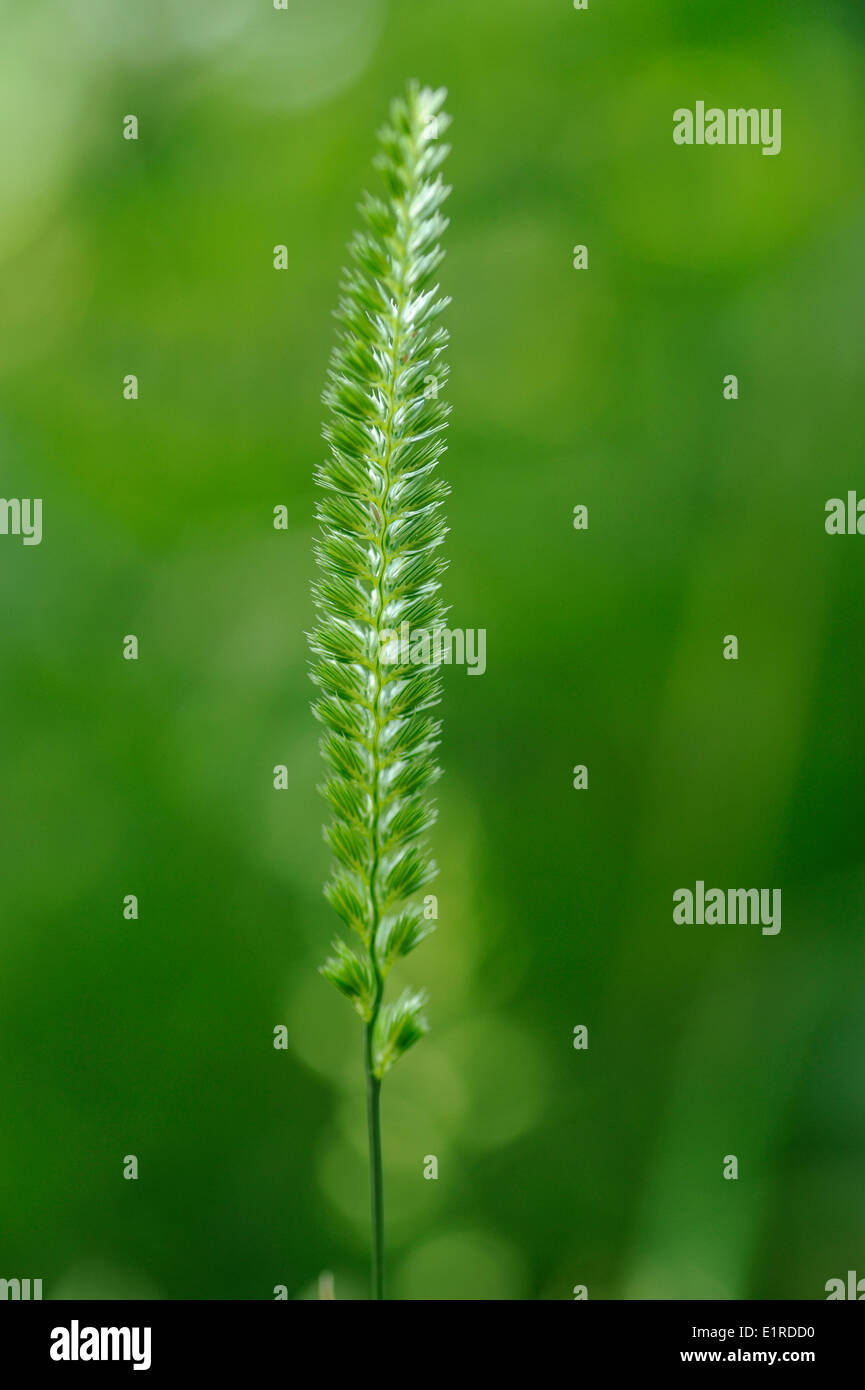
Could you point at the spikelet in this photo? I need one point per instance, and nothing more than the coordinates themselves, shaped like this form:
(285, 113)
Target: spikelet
(380, 566)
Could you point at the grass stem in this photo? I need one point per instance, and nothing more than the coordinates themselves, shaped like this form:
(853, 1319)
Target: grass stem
(376, 1188)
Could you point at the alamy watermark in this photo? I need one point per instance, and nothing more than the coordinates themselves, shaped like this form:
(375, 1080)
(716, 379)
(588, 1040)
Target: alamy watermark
(438, 646)
(20, 1290)
(717, 907)
(853, 1287)
(77, 1343)
(735, 126)
(22, 516)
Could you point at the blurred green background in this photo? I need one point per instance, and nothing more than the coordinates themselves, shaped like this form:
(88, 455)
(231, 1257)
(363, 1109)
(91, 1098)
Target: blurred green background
(603, 387)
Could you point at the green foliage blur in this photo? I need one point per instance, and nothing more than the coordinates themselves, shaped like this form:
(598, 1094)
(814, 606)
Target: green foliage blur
(602, 387)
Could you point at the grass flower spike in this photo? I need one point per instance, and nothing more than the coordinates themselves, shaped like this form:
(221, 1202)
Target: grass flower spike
(380, 567)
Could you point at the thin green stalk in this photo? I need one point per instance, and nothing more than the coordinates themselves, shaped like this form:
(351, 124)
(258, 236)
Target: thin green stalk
(376, 1185)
